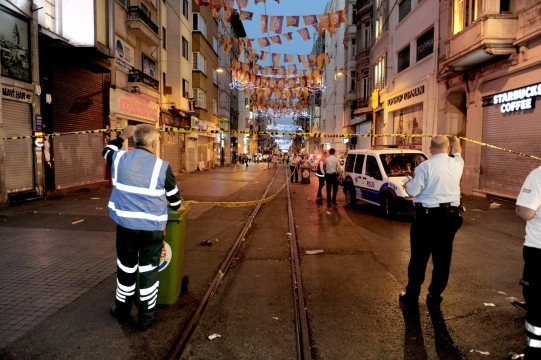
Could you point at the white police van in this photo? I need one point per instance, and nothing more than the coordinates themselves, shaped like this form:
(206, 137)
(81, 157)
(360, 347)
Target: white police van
(376, 176)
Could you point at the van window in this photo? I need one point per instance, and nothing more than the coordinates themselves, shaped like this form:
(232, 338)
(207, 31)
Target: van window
(401, 164)
(372, 168)
(359, 164)
(349, 163)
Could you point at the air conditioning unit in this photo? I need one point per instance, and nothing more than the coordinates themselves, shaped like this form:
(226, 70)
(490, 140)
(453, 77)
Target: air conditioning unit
(167, 90)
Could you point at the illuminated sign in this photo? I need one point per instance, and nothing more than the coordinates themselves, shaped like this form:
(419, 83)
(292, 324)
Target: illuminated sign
(517, 99)
(419, 90)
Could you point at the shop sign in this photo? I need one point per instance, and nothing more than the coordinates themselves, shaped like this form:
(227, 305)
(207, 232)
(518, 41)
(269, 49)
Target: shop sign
(517, 99)
(419, 90)
(124, 54)
(17, 94)
(137, 106)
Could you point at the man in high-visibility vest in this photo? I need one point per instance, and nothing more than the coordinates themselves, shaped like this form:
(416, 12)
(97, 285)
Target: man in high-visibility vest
(143, 184)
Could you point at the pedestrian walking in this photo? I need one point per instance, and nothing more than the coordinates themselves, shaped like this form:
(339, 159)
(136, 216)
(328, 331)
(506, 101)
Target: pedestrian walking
(435, 188)
(142, 186)
(320, 173)
(275, 161)
(331, 177)
(528, 208)
(294, 163)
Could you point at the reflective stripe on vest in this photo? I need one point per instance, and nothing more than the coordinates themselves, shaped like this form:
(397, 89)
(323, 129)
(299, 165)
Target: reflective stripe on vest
(138, 199)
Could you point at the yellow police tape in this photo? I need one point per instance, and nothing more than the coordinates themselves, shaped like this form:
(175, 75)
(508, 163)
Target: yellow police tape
(237, 204)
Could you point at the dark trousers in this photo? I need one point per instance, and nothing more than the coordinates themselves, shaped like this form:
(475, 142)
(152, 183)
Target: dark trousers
(432, 234)
(531, 289)
(294, 173)
(320, 187)
(332, 184)
(138, 252)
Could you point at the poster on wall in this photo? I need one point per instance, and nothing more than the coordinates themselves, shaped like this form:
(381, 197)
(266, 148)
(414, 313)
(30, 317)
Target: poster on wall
(409, 121)
(14, 46)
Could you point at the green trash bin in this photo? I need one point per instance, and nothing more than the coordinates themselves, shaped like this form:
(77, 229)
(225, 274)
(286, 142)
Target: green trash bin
(173, 282)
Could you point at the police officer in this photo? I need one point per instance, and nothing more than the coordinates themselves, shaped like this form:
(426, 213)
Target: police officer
(529, 209)
(435, 188)
(142, 186)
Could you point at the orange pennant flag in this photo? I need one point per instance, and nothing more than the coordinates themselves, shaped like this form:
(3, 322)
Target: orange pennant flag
(276, 23)
(264, 24)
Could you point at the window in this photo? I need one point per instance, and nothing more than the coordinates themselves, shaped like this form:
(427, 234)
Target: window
(164, 77)
(464, 13)
(353, 81)
(164, 38)
(215, 44)
(350, 159)
(199, 98)
(215, 77)
(372, 168)
(145, 10)
(381, 20)
(199, 23)
(199, 62)
(380, 73)
(185, 89)
(366, 34)
(122, 2)
(404, 9)
(403, 59)
(425, 44)
(353, 48)
(505, 6)
(185, 8)
(50, 14)
(214, 106)
(365, 86)
(185, 49)
(359, 164)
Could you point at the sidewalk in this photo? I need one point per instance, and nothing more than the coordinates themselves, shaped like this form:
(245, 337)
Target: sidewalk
(59, 269)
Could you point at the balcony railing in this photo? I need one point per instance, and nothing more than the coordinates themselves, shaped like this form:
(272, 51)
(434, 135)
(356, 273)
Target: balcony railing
(137, 76)
(136, 13)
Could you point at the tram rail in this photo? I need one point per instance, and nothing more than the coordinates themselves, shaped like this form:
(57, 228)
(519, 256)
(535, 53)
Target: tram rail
(180, 346)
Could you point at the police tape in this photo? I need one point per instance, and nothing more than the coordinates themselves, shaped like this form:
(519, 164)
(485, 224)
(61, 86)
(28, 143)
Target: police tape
(307, 135)
(237, 204)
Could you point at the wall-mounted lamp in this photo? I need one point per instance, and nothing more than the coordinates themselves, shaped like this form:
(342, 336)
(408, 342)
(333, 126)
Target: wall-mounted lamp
(219, 69)
(37, 90)
(135, 90)
(48, 98)
(339, 73)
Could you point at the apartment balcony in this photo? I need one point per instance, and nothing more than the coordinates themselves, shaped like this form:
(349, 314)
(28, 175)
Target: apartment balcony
(138, 77)
(487, 38)
(142, 25)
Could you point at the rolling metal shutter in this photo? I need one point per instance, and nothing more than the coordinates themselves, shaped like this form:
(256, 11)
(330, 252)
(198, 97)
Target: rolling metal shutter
(172, 143)
(19, 153)
(502, 172)
(78, 105)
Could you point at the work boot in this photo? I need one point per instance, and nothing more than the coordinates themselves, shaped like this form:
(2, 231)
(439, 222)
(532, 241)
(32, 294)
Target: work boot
(120, 315)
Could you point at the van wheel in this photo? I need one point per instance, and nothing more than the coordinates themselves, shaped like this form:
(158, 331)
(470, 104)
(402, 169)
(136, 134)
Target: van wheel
(388, 206)
(349, 194)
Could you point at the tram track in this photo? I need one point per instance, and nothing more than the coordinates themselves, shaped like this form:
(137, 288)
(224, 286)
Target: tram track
(180, 346)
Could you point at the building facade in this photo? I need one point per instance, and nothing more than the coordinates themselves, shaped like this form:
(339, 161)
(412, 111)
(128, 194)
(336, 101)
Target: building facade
(489, 80)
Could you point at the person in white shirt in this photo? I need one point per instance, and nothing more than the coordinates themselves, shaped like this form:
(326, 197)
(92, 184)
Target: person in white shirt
(435, 188)
(331, 177)
(528, 208)
(320, 173)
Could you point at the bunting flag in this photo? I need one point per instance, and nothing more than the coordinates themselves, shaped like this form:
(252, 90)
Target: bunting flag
(228, 44)
(292, 21)
(288, 36)
(309, 19)
(319, 29)
(276, 59)
(342, 16)
(276, 23)
(258, 1)
(289, 58)
(246, 15)
(228, 14)
(303, 59)
(263, 42)
(242, 3)
(215, 6)
(264, 24)
(263, 56)
(323, 20)
(276, 39)
(304, 34)
(292, 70)
(334, 21)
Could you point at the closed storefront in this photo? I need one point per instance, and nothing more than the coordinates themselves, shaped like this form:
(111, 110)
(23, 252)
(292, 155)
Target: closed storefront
(510, 121)
(78, 106)
(19, 152)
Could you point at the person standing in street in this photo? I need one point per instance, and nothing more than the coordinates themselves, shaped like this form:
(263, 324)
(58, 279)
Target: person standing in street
(294, 163)
(435, 188)
(528, 208)
(331, 177)
(143, 184)
(320, 173)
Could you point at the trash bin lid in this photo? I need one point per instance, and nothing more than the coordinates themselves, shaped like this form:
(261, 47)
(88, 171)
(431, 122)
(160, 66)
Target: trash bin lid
(177, 214)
